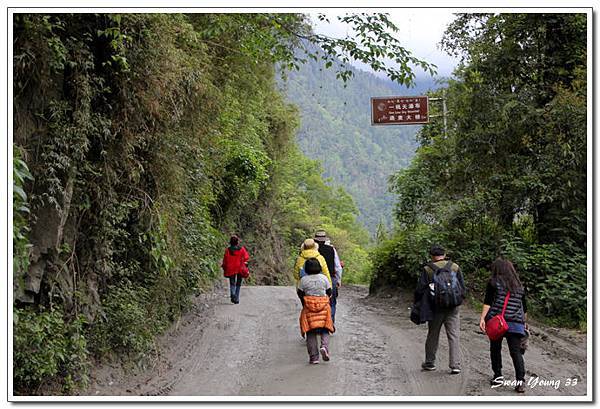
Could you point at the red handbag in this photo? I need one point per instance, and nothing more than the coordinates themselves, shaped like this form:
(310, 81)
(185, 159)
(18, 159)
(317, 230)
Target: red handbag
(496, 327)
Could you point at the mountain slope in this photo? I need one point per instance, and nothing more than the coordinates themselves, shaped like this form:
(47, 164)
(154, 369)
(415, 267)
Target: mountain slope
(336, 129)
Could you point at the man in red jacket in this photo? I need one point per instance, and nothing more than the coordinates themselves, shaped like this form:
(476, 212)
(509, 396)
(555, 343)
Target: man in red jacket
(235, 266)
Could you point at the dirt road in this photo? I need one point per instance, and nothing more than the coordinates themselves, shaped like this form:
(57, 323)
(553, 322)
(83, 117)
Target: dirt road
(255, 348)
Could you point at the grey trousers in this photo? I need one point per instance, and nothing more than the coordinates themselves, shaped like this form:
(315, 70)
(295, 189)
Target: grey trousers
(312, 343)
(451, 321)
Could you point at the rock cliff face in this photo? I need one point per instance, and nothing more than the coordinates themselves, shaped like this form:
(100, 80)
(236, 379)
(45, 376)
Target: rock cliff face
(56, 264)
(53, 234)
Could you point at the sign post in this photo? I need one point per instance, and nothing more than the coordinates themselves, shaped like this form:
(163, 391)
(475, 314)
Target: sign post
(444, 111)
(399, 110)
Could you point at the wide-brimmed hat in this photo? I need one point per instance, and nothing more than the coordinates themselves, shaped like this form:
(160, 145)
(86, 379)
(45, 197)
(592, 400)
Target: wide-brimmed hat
(321, 235)
(309, 244)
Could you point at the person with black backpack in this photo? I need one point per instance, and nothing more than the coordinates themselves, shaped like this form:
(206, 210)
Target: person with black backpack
(441, 288)
(334, 266)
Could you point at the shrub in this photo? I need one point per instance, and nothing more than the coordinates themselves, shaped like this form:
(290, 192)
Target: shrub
(124, 325)
(21, 245)
(557, 278)
(398, 260)
(47, 349)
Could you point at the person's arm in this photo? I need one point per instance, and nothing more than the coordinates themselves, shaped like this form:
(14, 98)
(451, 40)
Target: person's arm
(484, 312)
(224, 258)
(338, 267)
(297, 266)
(245, 257)
(302, 272)
(300, 289)
(328, 288)
(490, 295)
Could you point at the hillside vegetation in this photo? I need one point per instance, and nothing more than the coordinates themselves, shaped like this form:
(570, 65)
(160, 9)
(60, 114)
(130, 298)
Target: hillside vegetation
(141, 141)
(509, 177)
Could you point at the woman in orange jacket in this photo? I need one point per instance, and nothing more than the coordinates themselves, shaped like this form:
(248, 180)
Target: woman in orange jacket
(315, 289)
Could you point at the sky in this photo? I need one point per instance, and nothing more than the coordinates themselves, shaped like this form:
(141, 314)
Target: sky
(420, 31)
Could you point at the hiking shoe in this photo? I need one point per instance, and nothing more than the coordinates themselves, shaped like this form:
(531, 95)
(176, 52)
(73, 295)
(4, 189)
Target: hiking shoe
(454, 371)
(520, 388)
(428, 367)
(325, 354)
(314, 362)
(497, 380)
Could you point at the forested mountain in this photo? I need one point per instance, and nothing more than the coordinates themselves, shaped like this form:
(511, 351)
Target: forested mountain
(336, 129)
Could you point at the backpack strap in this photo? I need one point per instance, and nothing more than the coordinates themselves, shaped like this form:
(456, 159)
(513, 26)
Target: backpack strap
(433, 268)
(448, 265)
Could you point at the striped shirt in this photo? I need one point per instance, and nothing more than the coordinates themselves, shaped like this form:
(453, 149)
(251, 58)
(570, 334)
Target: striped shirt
(516, 307)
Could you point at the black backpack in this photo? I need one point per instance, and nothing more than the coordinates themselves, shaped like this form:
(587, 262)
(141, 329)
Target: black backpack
(447, 289)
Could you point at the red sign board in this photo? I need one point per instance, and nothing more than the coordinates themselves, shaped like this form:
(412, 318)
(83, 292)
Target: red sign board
(399, 110)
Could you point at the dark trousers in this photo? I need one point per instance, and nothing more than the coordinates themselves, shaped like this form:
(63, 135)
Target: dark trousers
(333, 300)
(514, 347)
(235, 282)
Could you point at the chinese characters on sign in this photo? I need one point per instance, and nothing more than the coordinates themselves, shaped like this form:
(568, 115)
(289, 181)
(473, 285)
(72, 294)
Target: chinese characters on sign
(399, 110)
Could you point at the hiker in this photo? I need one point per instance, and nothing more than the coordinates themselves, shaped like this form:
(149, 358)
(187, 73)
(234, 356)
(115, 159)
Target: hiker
(504, 287)
(315, 319)
(235, 267)
(334, 266)
(442, 282)
(309, 249)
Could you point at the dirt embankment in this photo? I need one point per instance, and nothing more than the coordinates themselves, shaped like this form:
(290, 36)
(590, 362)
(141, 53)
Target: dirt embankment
(255, 348)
